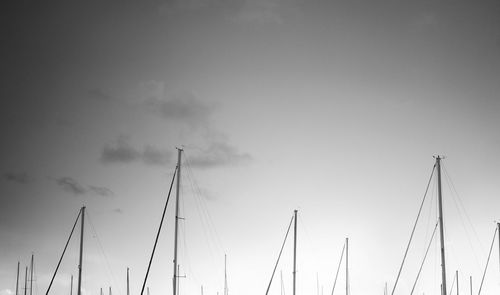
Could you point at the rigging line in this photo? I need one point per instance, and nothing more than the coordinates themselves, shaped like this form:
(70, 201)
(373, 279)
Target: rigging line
(279, 255)
(204, 206)
(425, 256)
(463, 207)
(64, 251)
(158, 233)
(456, 197)
(101, 248)
(452, 284)
(487, 261)
(338, 269)
(212, 244)
(413, 230)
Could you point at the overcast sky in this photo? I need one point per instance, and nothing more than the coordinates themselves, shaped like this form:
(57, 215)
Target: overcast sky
(334, 108)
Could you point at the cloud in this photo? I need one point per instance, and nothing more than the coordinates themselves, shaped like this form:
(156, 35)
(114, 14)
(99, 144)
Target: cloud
(20, 177)
(123, 152)
(6, 292)
(101, 191)
(99, 94)
(70, 185)
(154, 156)
(182, 107)
(219, 154)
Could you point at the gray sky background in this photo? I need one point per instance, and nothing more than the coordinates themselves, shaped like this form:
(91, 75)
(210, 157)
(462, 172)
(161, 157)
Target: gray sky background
(331, 107)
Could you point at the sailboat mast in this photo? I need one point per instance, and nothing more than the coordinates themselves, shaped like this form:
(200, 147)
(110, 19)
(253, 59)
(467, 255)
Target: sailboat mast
(128, 284)
(17, 279)
(80, 265)
(441, 227)
(31, 275)
(26, 281)
(457, 282)
(498, 225)
(179, 152)
(294, 249)
(71, 287)
(225, 275)
(347, 266)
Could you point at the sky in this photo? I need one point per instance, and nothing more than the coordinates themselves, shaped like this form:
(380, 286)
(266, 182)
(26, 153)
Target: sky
(333, 108)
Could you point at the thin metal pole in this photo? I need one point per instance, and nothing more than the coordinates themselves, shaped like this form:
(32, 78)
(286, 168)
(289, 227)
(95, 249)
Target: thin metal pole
(179, 153)
(26, 281)
(457, 282)
(101, 292)
(225, 274)
(17, 279)
(80, 265)
(71, 287)
(347, 266)
(31, 275)
(470, 280)
(441, 226)
(128, 283)
(498, 227)
(294, 249)
(109, 290)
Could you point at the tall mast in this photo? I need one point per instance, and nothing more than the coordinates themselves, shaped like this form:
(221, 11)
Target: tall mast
(347, 266)
(26, 281)
(441, 227)
(498, 225)
(225, 275)
(80, 265)
(457, 282)
(71, 287)
(101, 292)
(17, 279)
(109, 290)
(179, 152)
(31, 275)
(282, 286)
(128, 284)
(294, 249)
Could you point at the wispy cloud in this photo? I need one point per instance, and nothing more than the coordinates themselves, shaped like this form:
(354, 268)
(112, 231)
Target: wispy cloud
(122, 152)
(19, 177)
(99, 94)
(219, 154)
(182, 107)
(101, 191)
(70, 185)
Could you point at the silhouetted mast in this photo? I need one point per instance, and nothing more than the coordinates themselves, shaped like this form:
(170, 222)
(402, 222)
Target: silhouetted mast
(71, 287)
(294, 249)
(347, 266)
(17, 279)
(179, 152)
(470, 280)
(456, 274)
(441, 227)
(225, 275)
(31, 275)
(80, 265)
(26, 281)
(498, 225)
(128, 284)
